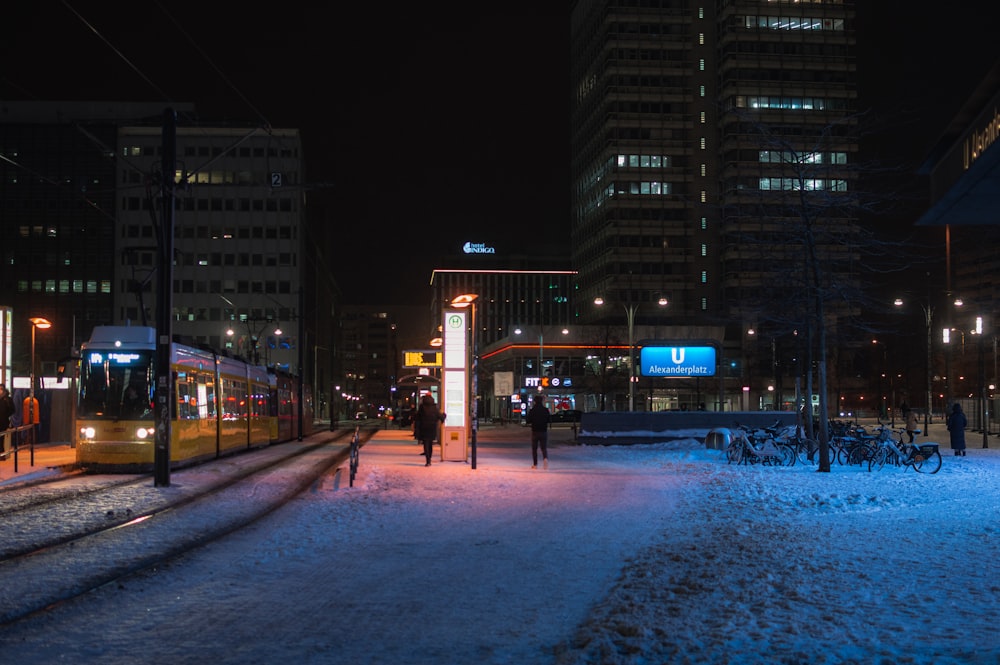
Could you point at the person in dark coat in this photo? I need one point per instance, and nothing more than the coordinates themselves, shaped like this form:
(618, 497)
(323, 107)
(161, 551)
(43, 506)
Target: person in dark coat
(538, 418)
(956, 428)
(6, 413)
(426, 423)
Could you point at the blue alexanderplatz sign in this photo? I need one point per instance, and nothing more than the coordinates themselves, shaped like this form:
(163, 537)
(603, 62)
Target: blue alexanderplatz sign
(680, 361)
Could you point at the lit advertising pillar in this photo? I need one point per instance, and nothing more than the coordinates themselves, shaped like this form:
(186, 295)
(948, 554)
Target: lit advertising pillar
(6, 339)
(455, 386)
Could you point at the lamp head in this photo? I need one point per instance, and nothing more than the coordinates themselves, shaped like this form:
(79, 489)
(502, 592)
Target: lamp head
(464, 300)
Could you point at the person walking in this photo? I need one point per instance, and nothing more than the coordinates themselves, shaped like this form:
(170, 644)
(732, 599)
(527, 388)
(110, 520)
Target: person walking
(956, 429)
(6, 413)
(426, 423)
(912, 424)
(538, 418)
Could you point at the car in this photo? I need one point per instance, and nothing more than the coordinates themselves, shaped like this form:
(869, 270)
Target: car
(566, 416)
(361, 415)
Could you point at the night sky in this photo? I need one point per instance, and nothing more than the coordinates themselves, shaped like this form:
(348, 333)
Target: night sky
(423, 129)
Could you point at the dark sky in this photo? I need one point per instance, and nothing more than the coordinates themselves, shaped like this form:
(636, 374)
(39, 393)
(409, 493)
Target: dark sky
(423, 128)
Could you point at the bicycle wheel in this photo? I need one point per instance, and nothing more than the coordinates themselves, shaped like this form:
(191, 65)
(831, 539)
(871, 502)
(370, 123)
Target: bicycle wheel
(843, 454)
(734, 452)
(787, 454)
(878, 459)
(928, 464)
(809, 452)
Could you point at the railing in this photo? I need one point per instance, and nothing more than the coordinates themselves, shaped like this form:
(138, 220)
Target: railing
(18, 435)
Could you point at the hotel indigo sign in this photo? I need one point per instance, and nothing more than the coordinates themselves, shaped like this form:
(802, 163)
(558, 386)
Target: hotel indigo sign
(681, 361)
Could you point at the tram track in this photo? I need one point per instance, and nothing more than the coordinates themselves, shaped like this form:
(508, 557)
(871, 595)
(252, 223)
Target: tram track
(64, 547)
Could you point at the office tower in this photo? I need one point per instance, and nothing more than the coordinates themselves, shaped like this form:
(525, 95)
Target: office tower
(713, 150)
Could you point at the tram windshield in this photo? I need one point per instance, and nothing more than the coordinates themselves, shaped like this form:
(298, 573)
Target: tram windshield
(116, 384)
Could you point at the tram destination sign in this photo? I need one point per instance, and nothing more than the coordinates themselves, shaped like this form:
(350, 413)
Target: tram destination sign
(677, 361)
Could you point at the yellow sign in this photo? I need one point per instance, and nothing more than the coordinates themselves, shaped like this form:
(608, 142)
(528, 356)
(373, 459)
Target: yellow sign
(422, 359)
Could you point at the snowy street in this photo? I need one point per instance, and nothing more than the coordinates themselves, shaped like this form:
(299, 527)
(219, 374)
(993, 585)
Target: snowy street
(621, 554)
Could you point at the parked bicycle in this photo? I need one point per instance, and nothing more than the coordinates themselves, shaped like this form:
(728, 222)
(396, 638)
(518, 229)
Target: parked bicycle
(750, 446)
(923, 457)
(852, 443)
(355, 453)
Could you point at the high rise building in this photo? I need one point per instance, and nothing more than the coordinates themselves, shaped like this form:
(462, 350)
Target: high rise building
(59, 190)
(713, 150)
(82, 204)
(238, 237)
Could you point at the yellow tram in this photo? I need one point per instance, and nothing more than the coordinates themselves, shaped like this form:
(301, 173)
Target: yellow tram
(221, 404)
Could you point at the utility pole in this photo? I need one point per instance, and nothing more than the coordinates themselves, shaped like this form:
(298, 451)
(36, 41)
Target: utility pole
(165, 304)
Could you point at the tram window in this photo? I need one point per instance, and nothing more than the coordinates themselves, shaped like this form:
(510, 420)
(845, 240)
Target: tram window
(183, 401)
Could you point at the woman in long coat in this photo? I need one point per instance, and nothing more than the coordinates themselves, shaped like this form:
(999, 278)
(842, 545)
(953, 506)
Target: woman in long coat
(426, 423)
(956, 428)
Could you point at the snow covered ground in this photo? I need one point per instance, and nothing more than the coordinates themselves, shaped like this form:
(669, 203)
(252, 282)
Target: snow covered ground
(657, 553)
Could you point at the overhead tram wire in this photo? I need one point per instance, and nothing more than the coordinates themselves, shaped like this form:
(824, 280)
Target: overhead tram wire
(265, 123)
(113, 48)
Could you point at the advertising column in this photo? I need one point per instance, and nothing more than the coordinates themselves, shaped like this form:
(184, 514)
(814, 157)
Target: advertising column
(455, 387)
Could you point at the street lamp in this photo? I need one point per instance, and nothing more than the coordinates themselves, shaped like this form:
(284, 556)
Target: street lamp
(984, 411)
(469, 300)
(253, 334)
(541, 346)
(630, 310)
(928, 319)
(883, 375)
(44, 324)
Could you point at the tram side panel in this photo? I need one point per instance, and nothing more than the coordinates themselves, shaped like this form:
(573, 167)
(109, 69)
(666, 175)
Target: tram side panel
(195, 427)
(260, 421)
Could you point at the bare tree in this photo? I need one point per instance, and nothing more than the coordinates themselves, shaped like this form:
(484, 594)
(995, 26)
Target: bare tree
(801, 252)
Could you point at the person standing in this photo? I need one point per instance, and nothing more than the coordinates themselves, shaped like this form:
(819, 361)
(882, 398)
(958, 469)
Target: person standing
(912, 424)
(6, 413)
(538, 418)
(426, 424)
(956, 429)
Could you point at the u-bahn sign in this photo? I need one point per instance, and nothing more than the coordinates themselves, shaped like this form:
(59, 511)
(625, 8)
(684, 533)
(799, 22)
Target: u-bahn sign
(677, 361)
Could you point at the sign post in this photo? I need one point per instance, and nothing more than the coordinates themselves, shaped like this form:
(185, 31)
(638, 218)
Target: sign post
(455, 386)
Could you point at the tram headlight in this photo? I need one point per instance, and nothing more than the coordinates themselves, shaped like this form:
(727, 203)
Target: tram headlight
(87, 432)
(144, 432)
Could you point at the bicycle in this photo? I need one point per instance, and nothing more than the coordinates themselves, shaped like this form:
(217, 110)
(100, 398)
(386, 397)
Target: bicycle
(749, 446)
(853, 444)
(923, 457)
(355, 454)
(806, 449)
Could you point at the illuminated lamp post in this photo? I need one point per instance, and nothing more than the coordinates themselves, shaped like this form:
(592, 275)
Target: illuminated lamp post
(630, 310)
(984, 411)
(44, 324)
(928, 320)
(541, 347)
(253, 336)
